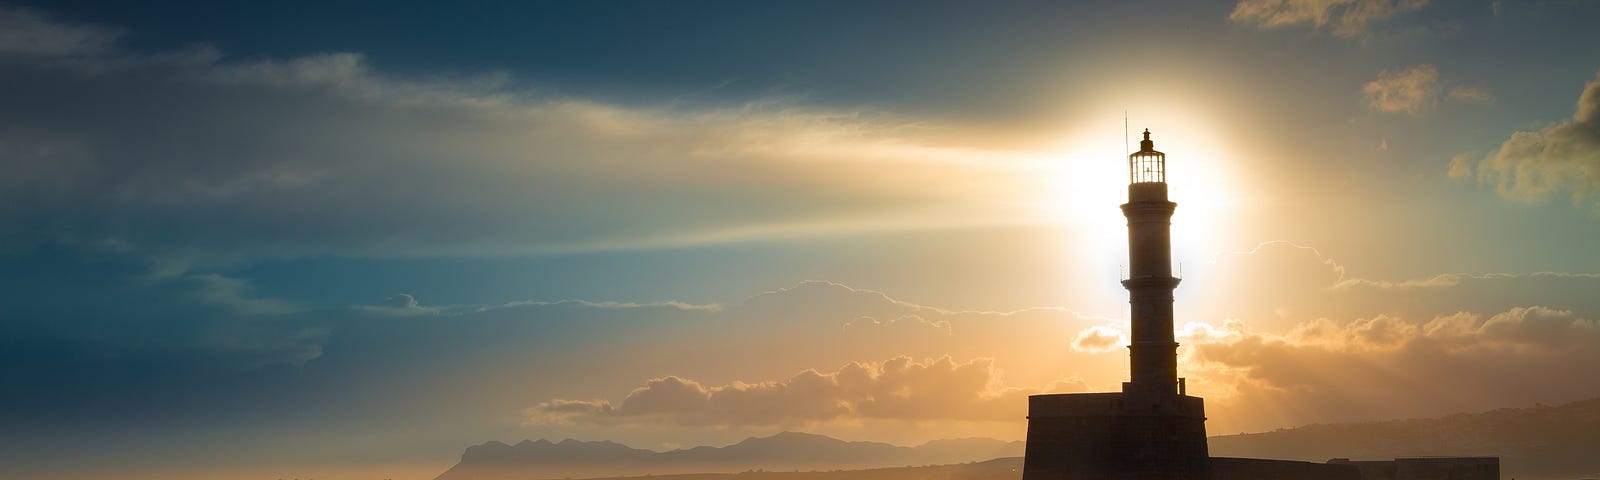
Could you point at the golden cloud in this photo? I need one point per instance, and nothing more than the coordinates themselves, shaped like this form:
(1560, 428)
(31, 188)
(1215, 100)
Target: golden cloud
(1561, 158)
(1386, 366)
(1410, 90)
(1099, 339)
(1347, 18)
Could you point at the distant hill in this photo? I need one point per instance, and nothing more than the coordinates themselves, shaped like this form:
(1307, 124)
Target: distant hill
(1561, 442)
(532, 460)
(1009, 468)
(1541, 442)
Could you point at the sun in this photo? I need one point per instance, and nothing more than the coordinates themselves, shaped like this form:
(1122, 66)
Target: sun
(1089, 182)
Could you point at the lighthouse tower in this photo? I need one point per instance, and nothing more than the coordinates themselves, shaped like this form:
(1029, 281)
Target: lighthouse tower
(1152, 429)
(1153, 357)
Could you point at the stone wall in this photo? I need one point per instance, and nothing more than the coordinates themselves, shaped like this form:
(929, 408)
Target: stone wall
(1224, 468)
(1091, 436)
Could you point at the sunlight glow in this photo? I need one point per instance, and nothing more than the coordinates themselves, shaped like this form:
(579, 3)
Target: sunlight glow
(1090, 182)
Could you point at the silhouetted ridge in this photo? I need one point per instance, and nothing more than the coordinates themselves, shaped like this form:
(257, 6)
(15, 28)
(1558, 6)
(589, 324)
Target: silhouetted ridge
(997, 469)
(566, 452)
(569, 458)
(790, 447)
(1534, 442)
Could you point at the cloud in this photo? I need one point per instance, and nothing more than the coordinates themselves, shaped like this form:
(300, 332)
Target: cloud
(1349, 348)
(1457, 279)
(206, 348)
(200, 347)
(1412, 90)
(1388, 366)
(897, 389)
(26, 32)
(1100, 339)
(197, 156)
(1415, 90)
(910, 324)
(1278, 285)
(400, 301)
(1560, 158)
(1346, 18)
(1470, 94)
(1460, 166)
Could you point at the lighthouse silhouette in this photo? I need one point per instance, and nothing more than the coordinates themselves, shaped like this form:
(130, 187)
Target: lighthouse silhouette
(1152, 429)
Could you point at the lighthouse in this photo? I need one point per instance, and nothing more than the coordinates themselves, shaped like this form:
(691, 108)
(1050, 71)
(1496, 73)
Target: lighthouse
(1153, 356)
(1152, 429)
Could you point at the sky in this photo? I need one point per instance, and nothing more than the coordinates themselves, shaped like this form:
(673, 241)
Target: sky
(350, 239)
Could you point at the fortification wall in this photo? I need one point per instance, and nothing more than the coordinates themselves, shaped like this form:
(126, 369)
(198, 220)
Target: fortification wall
(1091, 436)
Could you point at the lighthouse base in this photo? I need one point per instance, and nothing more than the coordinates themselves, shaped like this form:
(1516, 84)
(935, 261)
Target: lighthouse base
(1126, 436)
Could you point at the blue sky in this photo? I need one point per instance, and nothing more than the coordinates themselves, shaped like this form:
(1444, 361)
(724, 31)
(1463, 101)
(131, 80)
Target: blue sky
(352, 239)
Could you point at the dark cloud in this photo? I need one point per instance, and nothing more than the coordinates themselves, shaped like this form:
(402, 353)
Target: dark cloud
(194, 155)
(31, 33)
(102, 341)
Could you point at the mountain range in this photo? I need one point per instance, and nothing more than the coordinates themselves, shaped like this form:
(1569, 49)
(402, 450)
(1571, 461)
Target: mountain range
(1561, 442)
(543, 459)
(1008, 468)
(1539, 442)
